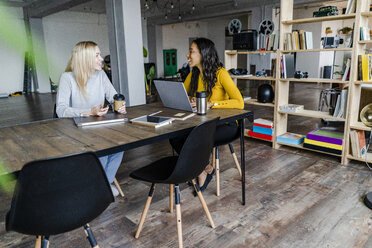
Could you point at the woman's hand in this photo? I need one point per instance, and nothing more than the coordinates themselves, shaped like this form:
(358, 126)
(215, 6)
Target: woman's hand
(210, 105)
(193, 102)
(98, 110)
(122, 109)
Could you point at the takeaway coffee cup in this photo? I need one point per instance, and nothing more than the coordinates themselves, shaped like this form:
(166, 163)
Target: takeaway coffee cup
(118, 101)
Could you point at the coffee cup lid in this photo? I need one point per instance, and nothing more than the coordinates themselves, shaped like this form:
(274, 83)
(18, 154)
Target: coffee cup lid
(201, 94)
(119, 97)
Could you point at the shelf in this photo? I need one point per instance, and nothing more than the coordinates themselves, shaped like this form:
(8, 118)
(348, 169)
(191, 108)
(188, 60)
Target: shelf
(318, 50)
(253, 78)
(312, 114)
(363, 82)
(319, 19)
(304, 148)
(246, 135)
(234, 52)
(255, 102)
(314, 80)
(360, 126)
(369, 158)
(366, 13)
(365, 42)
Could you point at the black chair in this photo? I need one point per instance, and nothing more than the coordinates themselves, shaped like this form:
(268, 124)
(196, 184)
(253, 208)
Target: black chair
(57, 195)
(174, 170)
(225, 134)
(116, 182)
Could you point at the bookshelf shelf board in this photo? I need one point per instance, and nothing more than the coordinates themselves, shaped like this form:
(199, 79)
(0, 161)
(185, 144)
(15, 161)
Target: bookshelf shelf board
(233, 52)
(255, 102)
(246, 135)
(312, 114)
(314, 80)
(304, 148)
(363, 82)
(369, 158)
(369, 13)
(319, 19)
(253, 78)
(318, 50)
(365, 42)
(360, 126)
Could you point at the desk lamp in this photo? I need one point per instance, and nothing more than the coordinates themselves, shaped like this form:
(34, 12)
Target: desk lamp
(366, 118)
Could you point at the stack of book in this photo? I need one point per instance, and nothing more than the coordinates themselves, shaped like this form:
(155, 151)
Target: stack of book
(298, 40)
(325, 140)
(364, 67)
(262, 129)
(358, 143)
(290, 138)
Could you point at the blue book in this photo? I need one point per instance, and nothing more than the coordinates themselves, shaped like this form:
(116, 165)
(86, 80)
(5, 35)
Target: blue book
(262, 130)
(291, 138)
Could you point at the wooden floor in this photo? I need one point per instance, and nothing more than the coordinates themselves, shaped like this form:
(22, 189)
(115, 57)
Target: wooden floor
(295, 198)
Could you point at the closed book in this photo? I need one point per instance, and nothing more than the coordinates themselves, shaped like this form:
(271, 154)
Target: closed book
(326, 136)
(174, 113)
(291, 138)
(264, 122)
(151, 121)
(260, 135)
(261, 125)
(365, 68)
(262, 130)
(361, 144)
(323, 149)
(353, 141)
(309, 40)
(323, 144)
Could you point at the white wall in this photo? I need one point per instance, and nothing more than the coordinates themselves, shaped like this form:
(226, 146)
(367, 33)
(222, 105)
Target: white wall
(64, 29)
(12, 49)
(176, 36)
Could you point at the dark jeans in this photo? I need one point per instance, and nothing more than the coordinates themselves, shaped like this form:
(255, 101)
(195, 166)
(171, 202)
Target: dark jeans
(225, 134)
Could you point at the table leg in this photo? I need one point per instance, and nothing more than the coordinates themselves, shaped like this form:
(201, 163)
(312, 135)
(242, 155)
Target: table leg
(242, 156)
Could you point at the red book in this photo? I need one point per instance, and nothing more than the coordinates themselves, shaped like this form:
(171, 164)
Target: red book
(260, 135)
(261, 125)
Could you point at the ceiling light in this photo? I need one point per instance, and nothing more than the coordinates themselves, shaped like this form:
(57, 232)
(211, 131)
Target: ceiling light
(172, 6)
(179, 17)
(193, 7)
(166, 17)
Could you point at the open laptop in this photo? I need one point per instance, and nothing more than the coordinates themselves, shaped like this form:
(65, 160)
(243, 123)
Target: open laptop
(173, 95)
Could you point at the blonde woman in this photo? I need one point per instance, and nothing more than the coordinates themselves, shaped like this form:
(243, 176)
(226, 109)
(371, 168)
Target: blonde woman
(82, 90)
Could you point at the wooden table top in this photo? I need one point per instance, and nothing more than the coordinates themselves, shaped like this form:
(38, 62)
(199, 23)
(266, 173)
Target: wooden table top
(57, 137)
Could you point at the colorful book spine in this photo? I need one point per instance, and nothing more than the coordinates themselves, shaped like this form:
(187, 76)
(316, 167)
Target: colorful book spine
(262, 130)
(261, 125)
(323, 149)
(333, 140)
(260, 135)
(323, 144)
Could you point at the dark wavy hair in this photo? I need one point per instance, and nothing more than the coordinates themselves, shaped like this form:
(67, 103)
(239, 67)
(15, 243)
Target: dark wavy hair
(210, 64)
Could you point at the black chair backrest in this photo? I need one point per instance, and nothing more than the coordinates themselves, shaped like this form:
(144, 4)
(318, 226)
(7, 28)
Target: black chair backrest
(194, 155)
(57, 195)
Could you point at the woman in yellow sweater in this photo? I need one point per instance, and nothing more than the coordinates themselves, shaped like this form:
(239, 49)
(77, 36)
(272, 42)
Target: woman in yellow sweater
(208, 75)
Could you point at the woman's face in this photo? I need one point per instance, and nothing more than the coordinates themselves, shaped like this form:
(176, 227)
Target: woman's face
(194, 57)
(98, 60)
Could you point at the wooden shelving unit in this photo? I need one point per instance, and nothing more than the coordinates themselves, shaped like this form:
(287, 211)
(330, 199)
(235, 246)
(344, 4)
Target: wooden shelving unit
(235, 52)
(318, 50)
(255, 102)
(360, 18)
(253, 78)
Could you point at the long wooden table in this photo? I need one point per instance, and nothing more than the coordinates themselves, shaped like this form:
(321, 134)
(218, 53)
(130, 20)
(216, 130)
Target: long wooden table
(23, 143)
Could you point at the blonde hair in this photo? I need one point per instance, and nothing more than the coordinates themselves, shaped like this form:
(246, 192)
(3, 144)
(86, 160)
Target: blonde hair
(81, 63)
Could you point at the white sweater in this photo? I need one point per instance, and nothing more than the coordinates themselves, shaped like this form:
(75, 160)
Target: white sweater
(70, 102)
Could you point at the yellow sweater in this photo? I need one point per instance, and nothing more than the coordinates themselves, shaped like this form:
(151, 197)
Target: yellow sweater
(224, 93)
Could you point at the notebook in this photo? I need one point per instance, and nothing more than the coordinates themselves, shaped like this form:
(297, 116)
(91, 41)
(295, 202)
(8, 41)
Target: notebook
(174, 113)
(97, 120)
(152, 121)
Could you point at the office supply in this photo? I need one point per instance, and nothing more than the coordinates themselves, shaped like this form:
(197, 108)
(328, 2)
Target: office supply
(151, 121)
(174, 113)
(173, 95)
(97, 120)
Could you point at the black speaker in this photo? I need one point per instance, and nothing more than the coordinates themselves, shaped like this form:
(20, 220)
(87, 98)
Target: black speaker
(246, 40)
(327, 71)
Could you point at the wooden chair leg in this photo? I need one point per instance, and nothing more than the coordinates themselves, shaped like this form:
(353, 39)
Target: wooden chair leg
(214, 157)
(118, 187)
(171, 187)
(90, 236)
(38, 242)
(144, 213)
(178, 213)
(218, 172)
(203, 203)
(235, 159)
